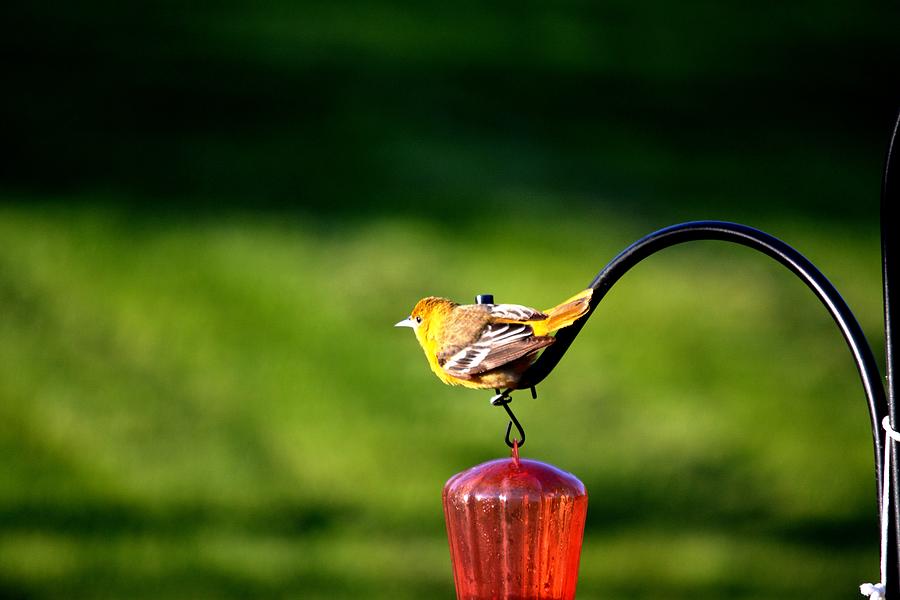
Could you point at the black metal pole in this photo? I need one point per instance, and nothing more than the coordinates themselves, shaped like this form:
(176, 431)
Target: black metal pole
(890, 197)
(799, 265)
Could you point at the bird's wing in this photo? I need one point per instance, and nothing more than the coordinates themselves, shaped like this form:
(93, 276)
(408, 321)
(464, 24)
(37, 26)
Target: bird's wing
(515, 312)
(499, 344)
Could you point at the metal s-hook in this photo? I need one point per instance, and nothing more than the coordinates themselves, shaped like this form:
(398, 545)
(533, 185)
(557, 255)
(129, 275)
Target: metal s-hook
(503, 399)
(513, 421)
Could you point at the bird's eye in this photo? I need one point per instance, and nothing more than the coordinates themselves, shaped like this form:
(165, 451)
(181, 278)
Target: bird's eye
(418, 319)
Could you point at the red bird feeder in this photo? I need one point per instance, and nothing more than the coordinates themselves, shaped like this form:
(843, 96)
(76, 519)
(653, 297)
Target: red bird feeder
(515, 529)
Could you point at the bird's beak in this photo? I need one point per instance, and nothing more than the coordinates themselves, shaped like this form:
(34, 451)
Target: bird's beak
(407, 322)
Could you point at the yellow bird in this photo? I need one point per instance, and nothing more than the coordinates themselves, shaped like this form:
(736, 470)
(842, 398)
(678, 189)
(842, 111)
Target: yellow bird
(487, 346)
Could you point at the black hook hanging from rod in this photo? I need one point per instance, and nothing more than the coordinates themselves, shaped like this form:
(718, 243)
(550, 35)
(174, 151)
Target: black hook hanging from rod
(503, 399)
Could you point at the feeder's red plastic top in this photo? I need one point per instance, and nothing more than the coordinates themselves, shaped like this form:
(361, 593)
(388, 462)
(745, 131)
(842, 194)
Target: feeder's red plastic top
(515, 530)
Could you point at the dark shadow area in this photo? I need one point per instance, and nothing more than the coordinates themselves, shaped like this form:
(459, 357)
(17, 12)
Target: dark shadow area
(654, 504)
(104, 519)
(388, 107)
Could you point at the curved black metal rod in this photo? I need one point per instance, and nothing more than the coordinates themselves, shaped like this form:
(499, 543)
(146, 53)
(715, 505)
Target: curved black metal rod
(772, 247)
(752, 238)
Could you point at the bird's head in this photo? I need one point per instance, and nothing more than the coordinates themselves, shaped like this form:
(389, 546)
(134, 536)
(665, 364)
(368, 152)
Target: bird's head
(427, 313)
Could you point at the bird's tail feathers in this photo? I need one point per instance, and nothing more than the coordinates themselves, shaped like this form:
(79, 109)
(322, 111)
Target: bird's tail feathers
(565, 313)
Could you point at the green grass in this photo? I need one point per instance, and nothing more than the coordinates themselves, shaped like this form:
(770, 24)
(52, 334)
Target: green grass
(216, 406)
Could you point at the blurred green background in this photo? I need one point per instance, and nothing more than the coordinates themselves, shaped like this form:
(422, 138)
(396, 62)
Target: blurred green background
(212, 213)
